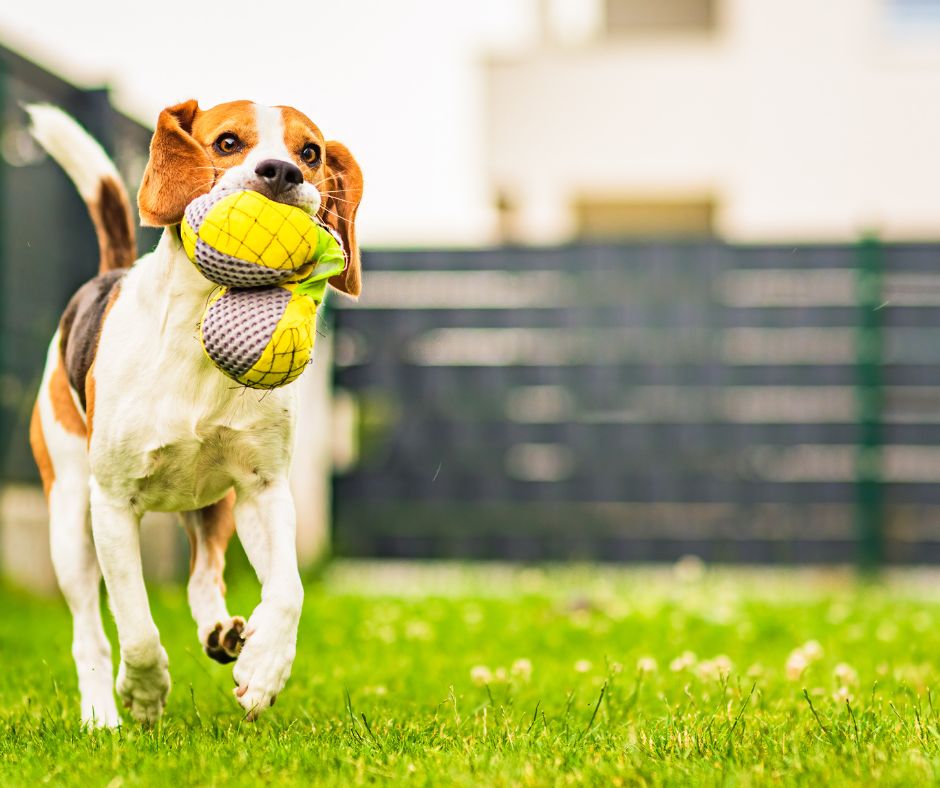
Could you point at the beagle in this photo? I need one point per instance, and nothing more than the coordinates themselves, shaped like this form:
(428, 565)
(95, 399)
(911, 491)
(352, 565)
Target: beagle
(132, 417)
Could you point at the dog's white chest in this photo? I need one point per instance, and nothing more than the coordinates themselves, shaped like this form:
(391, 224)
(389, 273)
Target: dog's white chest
(173, 464)
(174, 434)
(191, 473)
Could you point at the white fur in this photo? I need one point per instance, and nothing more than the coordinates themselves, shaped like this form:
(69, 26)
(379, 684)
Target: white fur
(78, 153)
(171, 433)
(74, 560)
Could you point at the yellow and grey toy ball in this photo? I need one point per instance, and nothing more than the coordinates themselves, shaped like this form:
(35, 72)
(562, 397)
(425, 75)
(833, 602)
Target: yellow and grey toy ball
(261, 337)
(243, 239)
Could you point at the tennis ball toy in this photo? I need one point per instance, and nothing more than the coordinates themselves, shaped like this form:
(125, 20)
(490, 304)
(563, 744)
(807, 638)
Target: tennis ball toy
(243, 239)
(274, 262)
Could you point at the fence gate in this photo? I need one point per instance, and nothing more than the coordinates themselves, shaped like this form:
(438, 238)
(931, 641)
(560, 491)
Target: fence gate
(645, 401)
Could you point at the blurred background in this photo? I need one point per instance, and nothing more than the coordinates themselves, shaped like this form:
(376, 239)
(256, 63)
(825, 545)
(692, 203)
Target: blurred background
(643, 280)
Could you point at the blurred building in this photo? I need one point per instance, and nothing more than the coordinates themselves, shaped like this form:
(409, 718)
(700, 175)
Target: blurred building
(750, 121)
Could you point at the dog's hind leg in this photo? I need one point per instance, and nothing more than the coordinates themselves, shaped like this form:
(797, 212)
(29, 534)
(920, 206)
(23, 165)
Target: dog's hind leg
(59, 446)
(209, 530)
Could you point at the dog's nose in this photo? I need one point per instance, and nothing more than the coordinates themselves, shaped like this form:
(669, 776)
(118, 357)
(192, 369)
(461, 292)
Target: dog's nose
(279, 175)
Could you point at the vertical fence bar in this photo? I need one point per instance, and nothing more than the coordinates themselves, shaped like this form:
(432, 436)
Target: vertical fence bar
(869, 501)
(5, 418)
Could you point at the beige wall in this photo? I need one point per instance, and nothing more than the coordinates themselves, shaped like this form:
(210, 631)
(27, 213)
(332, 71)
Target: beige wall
(803, 120)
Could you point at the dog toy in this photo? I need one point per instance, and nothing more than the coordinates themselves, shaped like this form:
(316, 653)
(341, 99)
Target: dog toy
(243, 239)
(273, 262)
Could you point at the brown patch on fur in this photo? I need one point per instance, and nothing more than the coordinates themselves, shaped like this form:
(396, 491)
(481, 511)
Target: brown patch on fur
(63, 405)
(298, 131)
(218, 525)
(90, 400)
(183, 163)
(190, 534)
(342, 191)
(114, 225)
(37, 441)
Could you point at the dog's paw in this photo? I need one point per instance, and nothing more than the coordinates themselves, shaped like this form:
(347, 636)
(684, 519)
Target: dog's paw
(224, 643)
(96, 685)
(264, 666)
(100, 713)
(143, 687)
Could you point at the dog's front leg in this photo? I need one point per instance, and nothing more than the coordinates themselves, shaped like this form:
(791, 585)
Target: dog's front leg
(265, 522)
(143, 678)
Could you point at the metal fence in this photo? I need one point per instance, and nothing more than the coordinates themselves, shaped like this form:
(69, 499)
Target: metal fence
(645, 401)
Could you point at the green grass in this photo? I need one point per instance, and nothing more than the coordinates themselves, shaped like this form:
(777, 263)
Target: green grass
(383, 686)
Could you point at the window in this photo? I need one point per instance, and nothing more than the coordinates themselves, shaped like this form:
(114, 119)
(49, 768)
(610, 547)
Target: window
(612, 219)
(659, 16)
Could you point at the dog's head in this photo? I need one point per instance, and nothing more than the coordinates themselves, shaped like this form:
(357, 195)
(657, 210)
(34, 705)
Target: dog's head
(277, 151)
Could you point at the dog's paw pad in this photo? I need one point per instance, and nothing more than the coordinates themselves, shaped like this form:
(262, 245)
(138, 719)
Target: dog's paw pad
(224, 643)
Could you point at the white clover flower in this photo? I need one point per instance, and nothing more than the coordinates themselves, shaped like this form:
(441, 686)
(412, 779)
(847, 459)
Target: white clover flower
(714, 669)
(646, 665)
(500, 676)
(843, 694)
(616, 667)
(522, 669)
(796, 664)
(582, 666)
(812, 650)
(724, 664)
(480, 675)
(707, 670)
(685, 660)
(845, 674)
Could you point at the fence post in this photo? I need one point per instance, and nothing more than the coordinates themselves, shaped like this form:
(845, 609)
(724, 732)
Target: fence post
(5, 419)
(869, 497)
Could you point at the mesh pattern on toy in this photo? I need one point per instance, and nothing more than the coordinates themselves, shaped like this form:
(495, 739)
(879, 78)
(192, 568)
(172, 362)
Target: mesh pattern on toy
(262, 337)
(239, 324)
(243, 239)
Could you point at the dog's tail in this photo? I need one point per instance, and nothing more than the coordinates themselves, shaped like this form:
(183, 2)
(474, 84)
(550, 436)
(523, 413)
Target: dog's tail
(96, 179)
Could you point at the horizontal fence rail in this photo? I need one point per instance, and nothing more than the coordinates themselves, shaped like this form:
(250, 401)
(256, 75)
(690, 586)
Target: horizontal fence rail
(645, 401)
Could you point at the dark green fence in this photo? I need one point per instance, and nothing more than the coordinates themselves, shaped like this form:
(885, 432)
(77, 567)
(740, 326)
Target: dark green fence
(47, 244)
(645, 401)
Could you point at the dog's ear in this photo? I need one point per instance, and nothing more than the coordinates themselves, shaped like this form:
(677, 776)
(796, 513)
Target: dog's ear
(179, 170)
(342, 191)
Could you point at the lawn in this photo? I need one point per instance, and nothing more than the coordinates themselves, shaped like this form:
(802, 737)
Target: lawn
(495, 676)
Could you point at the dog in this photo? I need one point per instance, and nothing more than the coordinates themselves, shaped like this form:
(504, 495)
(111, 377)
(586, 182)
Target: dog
(131, 415)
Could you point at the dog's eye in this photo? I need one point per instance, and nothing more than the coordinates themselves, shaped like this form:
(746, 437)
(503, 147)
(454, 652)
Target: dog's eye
(227, 144)
(310, 154)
